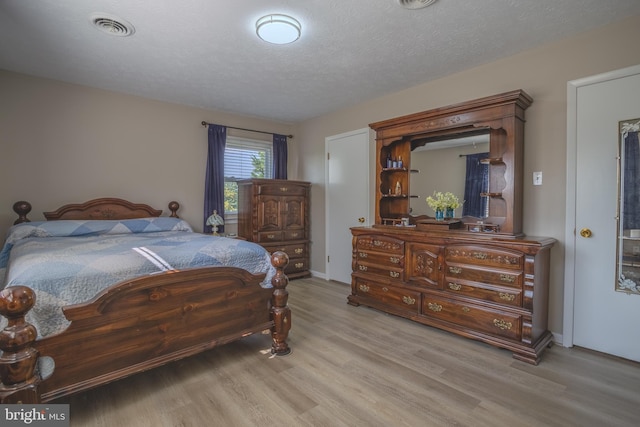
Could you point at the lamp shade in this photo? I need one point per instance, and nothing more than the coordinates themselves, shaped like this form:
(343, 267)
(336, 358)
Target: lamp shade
(278, 29)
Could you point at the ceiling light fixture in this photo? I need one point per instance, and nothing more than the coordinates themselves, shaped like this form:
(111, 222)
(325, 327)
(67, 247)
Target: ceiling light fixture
(415, 4)
(112, 25)
(278, 29)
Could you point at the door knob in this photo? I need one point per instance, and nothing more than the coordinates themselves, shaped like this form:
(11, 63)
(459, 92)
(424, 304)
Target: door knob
(361, 219)
(585, 232)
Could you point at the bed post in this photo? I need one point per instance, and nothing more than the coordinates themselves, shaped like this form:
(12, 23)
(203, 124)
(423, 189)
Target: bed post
(18, 358)
(280, 311)
(22, 208)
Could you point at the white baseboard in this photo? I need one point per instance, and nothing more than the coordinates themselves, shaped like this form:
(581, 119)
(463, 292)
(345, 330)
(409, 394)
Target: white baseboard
(557, 338)
(318, 274)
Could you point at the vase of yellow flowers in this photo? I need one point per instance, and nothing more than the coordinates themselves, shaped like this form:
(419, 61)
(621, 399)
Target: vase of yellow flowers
(444, 204)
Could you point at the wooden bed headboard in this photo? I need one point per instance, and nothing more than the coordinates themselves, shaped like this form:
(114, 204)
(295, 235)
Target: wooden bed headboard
(103, 208)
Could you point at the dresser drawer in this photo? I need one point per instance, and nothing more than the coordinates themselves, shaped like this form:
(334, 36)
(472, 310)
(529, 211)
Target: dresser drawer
(494, 322)
(387, 260)
(497, 277)
(485, 256)
(281, 189)
(295, 234)
(385, 244)
(389, 295)
(387, 271)
(269, 236)
(507, 296)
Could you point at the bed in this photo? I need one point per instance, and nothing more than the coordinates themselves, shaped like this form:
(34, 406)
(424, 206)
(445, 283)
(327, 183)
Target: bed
(72, 324)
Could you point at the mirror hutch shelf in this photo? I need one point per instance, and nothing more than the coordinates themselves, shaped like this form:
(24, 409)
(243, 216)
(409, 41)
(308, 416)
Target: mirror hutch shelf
(477, 276)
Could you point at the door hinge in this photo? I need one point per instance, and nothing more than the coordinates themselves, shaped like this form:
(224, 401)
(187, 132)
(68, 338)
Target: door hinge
(328, 155)
(327, 258)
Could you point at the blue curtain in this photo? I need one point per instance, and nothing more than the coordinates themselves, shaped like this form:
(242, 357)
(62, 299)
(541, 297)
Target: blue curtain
(279, 156)
(214, 181)
(631, 199)
(476, 182)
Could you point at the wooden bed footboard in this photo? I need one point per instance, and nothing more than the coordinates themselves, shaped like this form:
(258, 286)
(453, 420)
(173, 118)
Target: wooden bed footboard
(138, 325)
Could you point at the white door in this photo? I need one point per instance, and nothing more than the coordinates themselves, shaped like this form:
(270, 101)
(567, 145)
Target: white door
(602, 319)
(346, 197)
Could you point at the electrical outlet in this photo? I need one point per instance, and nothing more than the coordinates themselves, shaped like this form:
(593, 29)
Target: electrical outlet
(537, 178)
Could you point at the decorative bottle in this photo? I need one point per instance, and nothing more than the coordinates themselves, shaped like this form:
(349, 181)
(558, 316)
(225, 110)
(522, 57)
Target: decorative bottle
(398, 188)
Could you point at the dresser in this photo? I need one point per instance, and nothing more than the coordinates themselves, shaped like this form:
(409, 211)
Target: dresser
(477, 275)
(275, 214)
(492, 290)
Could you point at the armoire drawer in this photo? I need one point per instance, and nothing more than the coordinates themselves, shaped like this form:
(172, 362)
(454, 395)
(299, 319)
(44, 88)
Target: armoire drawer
(269, 236)
(494, 322)
(282, 189)
(403, 299)
(296, 250)
(296, 234)
(485, 256)
(507, 296)
(296, 264)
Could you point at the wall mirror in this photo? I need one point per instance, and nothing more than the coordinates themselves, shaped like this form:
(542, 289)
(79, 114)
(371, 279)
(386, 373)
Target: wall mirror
(628, 265)
(452, 165)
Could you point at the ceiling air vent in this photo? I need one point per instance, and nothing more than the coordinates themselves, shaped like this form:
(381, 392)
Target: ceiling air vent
(112, 25)
(415, 4)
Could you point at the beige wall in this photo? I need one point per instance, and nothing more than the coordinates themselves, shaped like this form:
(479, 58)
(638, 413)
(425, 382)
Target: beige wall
(64, 143)
(543, 73)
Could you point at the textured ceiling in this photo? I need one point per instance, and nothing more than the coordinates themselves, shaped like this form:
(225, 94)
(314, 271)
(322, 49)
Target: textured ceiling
(205, 53)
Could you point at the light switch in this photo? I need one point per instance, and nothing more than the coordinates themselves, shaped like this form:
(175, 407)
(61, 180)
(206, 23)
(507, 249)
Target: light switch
(537, 178)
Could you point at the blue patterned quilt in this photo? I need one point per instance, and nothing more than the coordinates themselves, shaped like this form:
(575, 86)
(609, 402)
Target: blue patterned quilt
(69, 262)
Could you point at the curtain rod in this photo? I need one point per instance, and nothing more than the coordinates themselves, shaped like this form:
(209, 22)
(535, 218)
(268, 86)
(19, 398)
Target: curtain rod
(249, 130)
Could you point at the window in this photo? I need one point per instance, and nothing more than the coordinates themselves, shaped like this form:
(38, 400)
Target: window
(244, 158)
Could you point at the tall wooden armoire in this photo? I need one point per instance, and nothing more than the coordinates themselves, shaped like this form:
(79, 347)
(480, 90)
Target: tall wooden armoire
(275, 214)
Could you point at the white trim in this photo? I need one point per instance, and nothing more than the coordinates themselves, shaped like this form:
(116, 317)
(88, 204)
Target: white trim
(570, 221)
(317, 274)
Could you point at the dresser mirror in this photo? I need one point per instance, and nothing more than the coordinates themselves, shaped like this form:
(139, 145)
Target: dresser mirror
(495, 125)
(441, 165)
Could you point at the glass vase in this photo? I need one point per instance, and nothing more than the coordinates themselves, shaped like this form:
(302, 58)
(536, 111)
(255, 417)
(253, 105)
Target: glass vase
(439, 214)
(448, 213)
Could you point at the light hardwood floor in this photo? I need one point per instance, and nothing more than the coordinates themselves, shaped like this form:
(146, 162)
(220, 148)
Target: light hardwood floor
(355, 366)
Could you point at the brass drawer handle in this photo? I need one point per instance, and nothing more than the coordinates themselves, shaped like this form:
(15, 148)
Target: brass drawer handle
(394, 274)
(434, 307)
(455, 270)
(502, 324)
(362, 267)
(408, 300)
(294, 234)
(299, 251)
(480, 255)
(299, 264)
(363, 254)
(394, 260)
(455, 286)
(284, 189)
(271, 236)
(507, 296)
(466, 309)
(385, 289)
(364, 288)
(507, 278)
